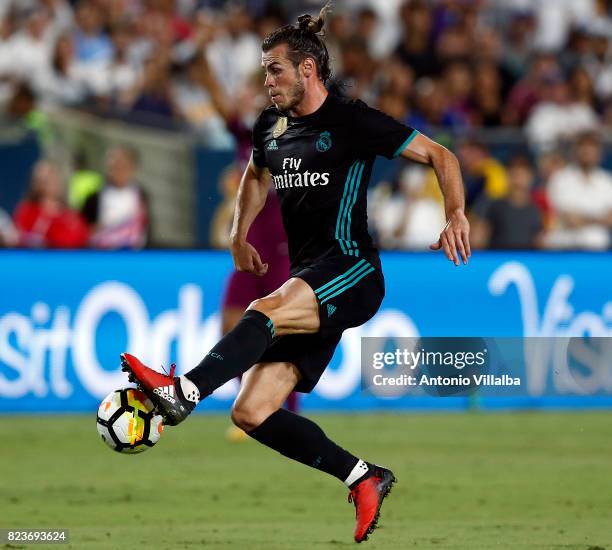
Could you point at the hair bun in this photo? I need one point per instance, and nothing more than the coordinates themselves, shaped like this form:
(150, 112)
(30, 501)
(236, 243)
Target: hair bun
(307, 23)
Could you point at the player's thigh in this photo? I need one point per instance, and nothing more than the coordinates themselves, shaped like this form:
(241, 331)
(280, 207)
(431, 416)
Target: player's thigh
(293, 308)
(263, 390)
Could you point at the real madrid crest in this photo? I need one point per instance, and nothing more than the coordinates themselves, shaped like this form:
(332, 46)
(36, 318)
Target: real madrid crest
(324, 142)
(280, 128)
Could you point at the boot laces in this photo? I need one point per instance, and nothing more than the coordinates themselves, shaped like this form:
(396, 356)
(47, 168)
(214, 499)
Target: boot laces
(172, 369)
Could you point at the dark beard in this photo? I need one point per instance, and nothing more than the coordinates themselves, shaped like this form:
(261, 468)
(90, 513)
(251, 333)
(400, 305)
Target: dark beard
(296, 95)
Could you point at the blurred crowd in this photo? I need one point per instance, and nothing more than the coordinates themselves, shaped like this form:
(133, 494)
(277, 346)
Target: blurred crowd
(449, 68)
(108, 211)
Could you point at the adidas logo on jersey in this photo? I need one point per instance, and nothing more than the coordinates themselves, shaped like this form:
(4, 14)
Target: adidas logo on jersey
(272, 146)
(331, 310)
(166, 392)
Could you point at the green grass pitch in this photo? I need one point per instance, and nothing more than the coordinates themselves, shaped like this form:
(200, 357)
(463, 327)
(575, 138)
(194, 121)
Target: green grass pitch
(466, 481)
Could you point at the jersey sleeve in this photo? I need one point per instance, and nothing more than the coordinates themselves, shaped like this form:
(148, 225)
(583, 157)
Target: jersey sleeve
(379, 134)
(259, 155)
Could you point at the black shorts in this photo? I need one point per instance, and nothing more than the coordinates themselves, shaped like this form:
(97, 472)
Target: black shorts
(349, 291)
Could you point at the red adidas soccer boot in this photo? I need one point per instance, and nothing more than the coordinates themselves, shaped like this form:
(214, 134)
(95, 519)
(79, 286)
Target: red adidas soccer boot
(164, 390)
(368, 497)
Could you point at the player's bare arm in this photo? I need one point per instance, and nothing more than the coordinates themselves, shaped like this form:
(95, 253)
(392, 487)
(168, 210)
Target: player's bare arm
(456, 234)
(251, 199)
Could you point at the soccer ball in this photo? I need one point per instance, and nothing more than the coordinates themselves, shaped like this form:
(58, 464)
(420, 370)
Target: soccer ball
(126, 421)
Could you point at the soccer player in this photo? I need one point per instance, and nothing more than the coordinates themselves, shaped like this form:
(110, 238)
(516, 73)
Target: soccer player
(318, 150)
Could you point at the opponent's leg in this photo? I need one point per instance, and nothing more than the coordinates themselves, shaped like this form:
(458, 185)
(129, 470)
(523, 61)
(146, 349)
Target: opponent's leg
(293, 402)
(230, 316)
(292, 309)
(258, 411)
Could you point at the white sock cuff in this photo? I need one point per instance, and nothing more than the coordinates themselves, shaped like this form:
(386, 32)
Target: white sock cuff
(359, 470)
(189, 389)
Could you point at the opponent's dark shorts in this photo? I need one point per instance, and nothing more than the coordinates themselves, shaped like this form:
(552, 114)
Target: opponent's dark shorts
(349, 291)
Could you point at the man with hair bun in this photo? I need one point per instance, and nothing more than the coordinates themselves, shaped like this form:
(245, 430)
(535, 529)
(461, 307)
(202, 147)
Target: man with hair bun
(318, 150)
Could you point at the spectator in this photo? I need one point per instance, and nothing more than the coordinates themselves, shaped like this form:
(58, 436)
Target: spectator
(29, 49)
(367, 24)
(8, 233)
(152, 36)
(519, 41)
(388, 25)
(92, 44)
(83, 182)
(577, 49)
(458, 84)
(423, 214)
(483, 176)
(512, 222)
(62, 82)
(117, 81)
(410, 214)
(62, 17)
(6, 61)
(432, 109)
(235, 53)
(558, 116)
(527, 92)
(357, 69)
(547, 164)
(486, 100)
(581, 197)
(416, 50)
(154, 105)
(454, 44)
(196, 106)
(393, 104)
(42, 219)
(396, 78)
(118, 214)
(555, 20)
(582, 89)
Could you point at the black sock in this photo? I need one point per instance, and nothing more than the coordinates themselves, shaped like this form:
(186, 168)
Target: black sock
(301, 439)
(235, 353)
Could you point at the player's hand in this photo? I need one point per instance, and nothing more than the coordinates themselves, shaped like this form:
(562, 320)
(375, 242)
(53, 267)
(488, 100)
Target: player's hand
(455, 236)
(246, 258)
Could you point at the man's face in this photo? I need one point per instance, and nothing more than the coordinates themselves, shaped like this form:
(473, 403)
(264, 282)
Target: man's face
(520, 177)
(284, 81)
(119, 168)
(589, 153)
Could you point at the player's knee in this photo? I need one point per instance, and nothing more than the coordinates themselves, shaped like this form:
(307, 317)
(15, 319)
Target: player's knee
(247, 417)
(267, 305)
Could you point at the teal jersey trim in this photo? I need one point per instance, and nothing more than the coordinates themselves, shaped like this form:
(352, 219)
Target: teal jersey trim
(361, 275)
(352, 204)
(347, 184)
(349, 197)
(403, 146)
(345, 274)
(270, 326)
(338, 288)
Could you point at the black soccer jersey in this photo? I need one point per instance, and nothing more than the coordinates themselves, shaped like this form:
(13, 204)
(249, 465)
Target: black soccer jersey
(320, 166)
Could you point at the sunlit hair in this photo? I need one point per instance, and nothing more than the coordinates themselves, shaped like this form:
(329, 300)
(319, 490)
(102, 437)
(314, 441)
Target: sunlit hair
(304, 39)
